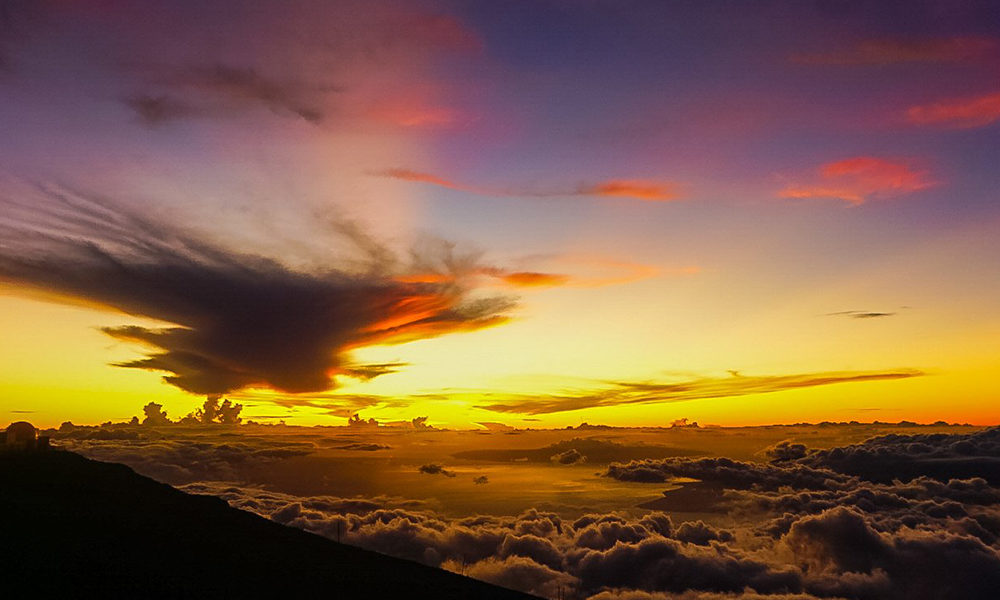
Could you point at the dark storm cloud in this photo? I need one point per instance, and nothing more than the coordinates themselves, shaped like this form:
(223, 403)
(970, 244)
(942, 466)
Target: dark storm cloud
(625, 392)
(238, 320)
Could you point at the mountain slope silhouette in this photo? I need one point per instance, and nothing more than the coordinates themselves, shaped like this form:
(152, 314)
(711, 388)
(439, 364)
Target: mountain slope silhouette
(75, 527)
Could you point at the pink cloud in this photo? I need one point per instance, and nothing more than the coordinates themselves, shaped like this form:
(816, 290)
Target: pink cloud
(896, 50)
(968, 112)
(859, 179)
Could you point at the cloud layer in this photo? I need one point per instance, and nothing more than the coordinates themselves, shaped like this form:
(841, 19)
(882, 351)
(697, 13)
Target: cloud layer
(627, 392)
(800, 532)
(850, 522)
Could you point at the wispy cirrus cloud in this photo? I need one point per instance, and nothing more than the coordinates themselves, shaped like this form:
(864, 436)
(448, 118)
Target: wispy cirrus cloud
(558, 270)
(959, 113)
(216, 90)
(590, 271)
(628, 392)
(859, 179)
(906, 50)
(423, 177)
(861, 314)
(530, 279)
(236, 59)
(636, 189)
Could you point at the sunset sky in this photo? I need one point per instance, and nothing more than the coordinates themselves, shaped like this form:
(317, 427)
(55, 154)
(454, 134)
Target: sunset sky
(534, 213)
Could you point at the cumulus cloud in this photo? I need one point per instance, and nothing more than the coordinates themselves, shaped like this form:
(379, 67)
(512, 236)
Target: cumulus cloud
(860, 179)
(435, 469)
(727, 472)
(906, 563)
(569, 457)
(940, 456)
(785, 450)
(664, 564)
(518, 573)
(625, 392)
(535, 551)
(238, 320)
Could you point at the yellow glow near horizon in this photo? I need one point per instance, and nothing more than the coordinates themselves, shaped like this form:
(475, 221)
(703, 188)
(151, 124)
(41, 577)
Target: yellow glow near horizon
(57, 364)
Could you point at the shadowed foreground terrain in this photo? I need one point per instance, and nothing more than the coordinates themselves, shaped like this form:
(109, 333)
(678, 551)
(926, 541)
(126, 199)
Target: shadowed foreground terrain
(77, 527)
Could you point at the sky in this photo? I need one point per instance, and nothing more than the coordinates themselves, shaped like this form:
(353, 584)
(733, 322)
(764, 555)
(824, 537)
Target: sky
(533, 213)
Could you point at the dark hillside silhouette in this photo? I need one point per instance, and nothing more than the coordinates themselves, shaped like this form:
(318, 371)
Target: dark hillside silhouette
(72, 527)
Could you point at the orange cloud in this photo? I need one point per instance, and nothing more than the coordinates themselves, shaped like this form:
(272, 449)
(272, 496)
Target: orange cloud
(419, 177)
(650, 191)
(605, 271)
(894, 51)
(961, 113)
(425, 278)
(533, 279)
(861, 178)
(578, 271)
(597, 271)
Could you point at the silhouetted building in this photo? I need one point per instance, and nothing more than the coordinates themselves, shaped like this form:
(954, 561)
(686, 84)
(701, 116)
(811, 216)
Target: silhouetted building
(23, 436)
